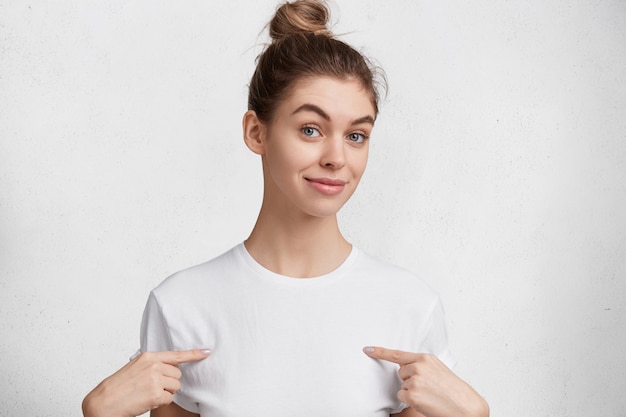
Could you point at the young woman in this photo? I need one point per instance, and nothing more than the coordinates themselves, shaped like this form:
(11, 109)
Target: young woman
(296, 320)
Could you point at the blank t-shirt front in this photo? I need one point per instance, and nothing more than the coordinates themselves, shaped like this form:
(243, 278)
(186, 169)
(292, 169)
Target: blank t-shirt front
(285, 346)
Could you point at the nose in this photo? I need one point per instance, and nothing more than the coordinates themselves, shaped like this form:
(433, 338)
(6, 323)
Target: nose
(333, 155)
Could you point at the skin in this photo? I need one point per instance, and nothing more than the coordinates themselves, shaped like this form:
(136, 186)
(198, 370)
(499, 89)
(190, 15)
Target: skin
(318, 132)
(314, 152)
(146, 382)
(429, 387)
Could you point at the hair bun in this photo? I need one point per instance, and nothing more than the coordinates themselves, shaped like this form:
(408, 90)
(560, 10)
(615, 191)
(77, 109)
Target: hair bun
(299, 17)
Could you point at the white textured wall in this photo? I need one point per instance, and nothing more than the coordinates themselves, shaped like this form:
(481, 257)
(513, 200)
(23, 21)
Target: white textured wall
(498, 172)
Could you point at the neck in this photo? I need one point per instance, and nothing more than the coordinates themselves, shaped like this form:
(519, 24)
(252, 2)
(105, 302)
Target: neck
(296, 244)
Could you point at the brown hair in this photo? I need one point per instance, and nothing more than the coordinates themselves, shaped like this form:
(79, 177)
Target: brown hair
(302, 47)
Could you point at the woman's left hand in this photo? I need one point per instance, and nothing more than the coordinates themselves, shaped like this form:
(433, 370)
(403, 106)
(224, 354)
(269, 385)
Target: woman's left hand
(430, 387)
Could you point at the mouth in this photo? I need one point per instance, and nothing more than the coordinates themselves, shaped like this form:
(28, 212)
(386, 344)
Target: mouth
(327, 186)
(327, 181)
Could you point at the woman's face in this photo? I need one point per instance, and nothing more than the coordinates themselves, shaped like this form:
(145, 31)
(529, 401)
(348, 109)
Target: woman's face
(316, 145)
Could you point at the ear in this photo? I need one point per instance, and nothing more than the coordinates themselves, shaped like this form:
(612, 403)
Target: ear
(254, 132)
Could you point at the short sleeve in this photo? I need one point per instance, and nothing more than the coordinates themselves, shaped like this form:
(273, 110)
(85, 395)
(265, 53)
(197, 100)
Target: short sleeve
(155, 337)
(435, 340)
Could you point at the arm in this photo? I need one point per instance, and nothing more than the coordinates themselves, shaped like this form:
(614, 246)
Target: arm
(146, 382)
(429, 387)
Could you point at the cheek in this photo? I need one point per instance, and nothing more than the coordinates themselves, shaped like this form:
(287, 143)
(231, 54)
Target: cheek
(287, 160)
(359, 163)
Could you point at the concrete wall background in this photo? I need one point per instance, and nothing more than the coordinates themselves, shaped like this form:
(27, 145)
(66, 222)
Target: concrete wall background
(497, 172)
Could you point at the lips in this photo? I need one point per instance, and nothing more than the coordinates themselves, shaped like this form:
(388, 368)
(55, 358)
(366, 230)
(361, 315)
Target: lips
(327, 186)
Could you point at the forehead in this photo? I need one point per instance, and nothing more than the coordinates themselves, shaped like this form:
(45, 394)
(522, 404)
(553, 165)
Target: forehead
(338, 97)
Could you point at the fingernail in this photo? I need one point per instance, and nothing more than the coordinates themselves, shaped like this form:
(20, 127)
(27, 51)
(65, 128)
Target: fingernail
(206, 351)
(368, 349)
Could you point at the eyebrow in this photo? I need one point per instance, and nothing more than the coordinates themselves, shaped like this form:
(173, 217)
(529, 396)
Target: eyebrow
(315, 109)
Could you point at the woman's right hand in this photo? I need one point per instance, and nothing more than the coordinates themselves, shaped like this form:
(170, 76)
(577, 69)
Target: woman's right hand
(146, 382)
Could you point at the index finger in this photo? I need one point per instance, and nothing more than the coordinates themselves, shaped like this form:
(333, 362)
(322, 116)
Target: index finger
(391, 355)
(175, 357)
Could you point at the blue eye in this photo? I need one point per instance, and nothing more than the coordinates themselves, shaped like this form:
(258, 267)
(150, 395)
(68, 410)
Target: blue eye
(357, 137)
(310, 131)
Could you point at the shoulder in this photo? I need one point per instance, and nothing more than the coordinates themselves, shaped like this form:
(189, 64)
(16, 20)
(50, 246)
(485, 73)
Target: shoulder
(394, 279)
(209, 273)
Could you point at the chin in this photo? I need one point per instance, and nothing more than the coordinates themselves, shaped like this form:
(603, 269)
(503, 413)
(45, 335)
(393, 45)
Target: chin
(324, 211)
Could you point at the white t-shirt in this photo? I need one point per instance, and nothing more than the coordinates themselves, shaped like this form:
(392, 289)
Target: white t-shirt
(286, 346)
